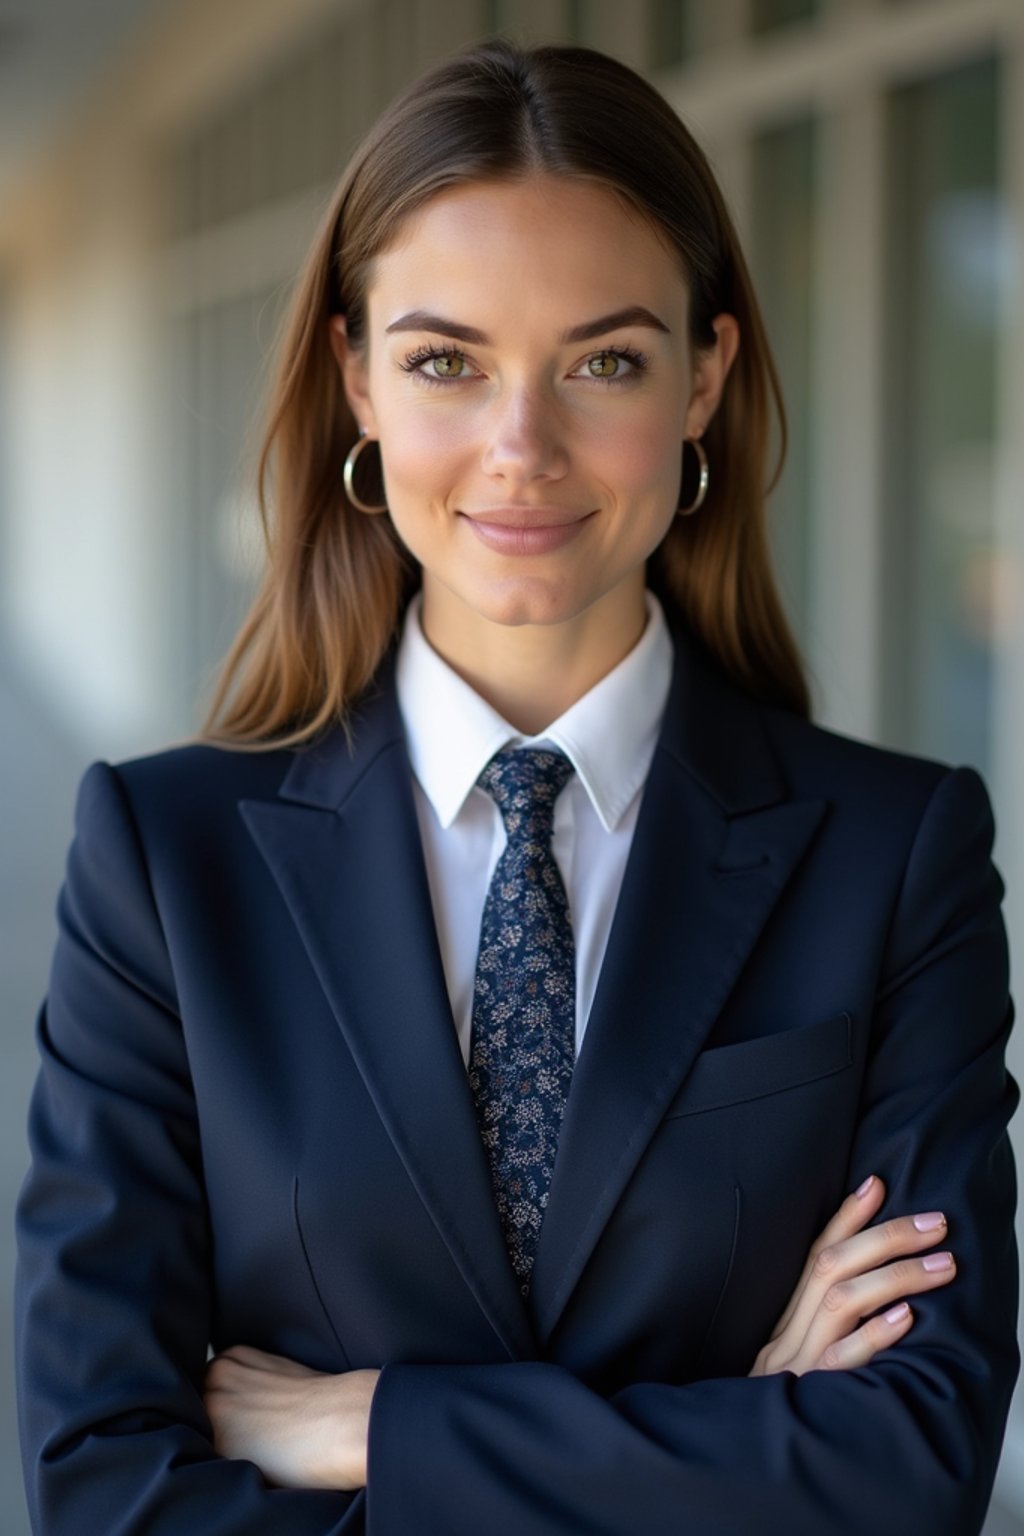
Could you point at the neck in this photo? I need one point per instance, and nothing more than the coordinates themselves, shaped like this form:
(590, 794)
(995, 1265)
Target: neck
(532, 673)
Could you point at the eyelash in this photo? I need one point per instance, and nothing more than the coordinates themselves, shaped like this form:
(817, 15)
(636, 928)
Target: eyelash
(414, 361)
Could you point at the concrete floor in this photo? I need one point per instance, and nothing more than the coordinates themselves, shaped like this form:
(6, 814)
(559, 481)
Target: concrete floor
(39, 770)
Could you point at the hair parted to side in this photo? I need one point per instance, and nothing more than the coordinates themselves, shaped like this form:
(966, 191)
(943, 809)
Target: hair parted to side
(336, 581)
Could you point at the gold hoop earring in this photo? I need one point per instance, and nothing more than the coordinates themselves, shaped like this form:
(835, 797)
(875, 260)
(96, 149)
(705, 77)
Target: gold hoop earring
(347, 473)
(702, 488)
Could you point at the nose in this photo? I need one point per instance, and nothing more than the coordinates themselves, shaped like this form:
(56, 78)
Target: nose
(524, 438)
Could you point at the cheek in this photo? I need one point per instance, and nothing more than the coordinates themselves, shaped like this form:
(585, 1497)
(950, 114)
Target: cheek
(421, 450)
(641, 454)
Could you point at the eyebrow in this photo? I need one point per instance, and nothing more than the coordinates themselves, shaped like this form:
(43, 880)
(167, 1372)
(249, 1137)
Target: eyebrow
(422, 320)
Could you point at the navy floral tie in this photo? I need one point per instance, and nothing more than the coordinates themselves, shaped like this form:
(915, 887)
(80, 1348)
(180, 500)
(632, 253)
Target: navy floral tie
(523, 1038)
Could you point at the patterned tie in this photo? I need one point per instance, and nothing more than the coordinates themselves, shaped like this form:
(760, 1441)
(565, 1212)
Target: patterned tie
(523, 1039)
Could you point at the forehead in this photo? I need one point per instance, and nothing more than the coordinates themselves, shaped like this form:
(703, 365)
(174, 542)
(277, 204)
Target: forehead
(549, 242)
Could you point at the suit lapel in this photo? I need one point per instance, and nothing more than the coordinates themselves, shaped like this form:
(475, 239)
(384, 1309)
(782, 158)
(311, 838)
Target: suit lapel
(715, 843)
(343, 843)
(714, 846)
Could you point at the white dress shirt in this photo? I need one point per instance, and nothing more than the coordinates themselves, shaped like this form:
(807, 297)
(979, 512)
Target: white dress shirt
(609, 735)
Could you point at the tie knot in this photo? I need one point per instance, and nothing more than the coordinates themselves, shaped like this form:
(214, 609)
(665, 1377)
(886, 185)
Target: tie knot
(525, 782)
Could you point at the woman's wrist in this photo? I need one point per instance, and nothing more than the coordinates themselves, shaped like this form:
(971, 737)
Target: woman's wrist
(302, 1427)
(356, 1402)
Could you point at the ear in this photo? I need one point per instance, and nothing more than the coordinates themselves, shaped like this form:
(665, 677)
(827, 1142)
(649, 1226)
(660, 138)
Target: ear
(354, 374)
(711, 369)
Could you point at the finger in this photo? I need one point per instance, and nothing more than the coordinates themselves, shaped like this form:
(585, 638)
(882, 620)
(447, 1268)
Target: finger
(848, 1301)
(862, 1252)
(857, 1209)
(257, 1359)
(861, 1346)
(242, 1358)
(245, 1352)
(886, 1240)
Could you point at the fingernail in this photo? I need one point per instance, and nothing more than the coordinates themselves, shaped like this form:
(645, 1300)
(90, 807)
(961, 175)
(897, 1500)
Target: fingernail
(862, 1191)
(938, 1261)
(897, 1314)
(928, 1221)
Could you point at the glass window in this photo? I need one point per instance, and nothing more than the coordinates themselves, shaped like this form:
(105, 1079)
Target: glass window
(530, 22)
(946, 233)
(7, 397)
(767, 15)
(220, 355)
(781, 258)
(668, 35)
(288, 132)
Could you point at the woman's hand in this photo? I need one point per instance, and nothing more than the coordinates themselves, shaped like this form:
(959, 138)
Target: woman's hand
(842, 1283)
(302, 1428)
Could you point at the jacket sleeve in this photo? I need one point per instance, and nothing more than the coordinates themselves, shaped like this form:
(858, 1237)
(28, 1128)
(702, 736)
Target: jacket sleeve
(909, 1442)
(113, 1288)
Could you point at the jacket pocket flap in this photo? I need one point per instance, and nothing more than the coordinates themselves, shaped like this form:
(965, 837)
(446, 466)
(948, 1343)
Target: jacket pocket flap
(751, 1069)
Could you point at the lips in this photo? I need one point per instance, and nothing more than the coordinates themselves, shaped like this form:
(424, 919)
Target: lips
(526, 530)
(526, 517)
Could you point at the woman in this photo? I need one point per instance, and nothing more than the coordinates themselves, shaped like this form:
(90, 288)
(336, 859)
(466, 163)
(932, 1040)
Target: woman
(510, 786)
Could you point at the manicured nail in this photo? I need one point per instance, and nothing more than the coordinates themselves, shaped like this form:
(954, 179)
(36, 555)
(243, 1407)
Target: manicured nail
(938, 1261)
(897, 1314)
(862, 1191)
(929, 1220)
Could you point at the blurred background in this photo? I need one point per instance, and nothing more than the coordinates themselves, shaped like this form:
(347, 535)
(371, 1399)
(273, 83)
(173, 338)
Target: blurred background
(163, 165)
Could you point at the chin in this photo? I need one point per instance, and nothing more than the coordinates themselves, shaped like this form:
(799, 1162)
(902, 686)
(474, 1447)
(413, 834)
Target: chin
(521, 600)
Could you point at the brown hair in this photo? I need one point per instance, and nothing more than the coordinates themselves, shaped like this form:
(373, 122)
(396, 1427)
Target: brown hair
(337, 581)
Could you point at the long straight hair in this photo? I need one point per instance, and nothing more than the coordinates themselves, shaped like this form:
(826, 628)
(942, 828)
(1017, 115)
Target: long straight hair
(336, 581)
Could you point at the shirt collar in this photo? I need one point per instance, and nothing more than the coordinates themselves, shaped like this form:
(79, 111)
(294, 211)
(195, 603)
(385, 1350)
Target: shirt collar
(609, 734)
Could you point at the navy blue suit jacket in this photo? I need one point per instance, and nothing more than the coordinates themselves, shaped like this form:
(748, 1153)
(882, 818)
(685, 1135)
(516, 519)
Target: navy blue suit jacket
(253, 1124)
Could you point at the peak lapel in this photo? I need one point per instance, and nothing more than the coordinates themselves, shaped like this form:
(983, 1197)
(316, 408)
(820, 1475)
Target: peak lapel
(343, 843)
(716, 841)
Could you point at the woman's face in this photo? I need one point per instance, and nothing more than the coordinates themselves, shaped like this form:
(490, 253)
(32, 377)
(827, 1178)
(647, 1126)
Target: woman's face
(528, 376)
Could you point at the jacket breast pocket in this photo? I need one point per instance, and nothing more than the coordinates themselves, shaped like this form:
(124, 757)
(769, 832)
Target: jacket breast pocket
(753, 1069)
